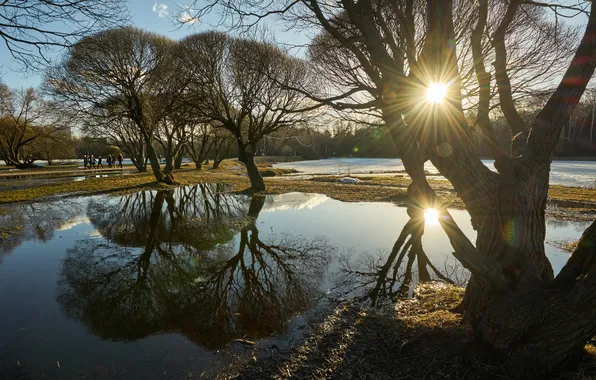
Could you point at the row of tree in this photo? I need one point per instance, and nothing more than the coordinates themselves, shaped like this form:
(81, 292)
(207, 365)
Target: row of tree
(196, 96)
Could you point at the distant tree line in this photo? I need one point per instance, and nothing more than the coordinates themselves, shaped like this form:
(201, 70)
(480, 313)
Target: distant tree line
(32, 128)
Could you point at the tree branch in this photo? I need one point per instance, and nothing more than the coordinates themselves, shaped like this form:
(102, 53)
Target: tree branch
(546, 129)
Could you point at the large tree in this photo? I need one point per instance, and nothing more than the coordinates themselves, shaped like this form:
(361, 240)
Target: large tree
(513, 302)
(119, 74)
(243, 86)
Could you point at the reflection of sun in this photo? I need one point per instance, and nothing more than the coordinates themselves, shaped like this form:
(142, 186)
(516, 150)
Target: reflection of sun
(435, 93)
(431, 216)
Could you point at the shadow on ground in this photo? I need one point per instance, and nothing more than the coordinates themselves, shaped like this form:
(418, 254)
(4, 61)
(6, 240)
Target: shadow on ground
(421, 339)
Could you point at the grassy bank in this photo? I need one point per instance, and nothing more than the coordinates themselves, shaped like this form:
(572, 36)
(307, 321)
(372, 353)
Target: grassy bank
(575, 199)
(571, 203)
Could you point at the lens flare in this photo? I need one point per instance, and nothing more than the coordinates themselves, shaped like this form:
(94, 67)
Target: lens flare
(431, 216)
(435, 93)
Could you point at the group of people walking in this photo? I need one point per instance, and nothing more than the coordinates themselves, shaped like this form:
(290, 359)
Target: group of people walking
(92, 162)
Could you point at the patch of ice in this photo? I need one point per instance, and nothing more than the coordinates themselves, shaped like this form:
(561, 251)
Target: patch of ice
(349, 180)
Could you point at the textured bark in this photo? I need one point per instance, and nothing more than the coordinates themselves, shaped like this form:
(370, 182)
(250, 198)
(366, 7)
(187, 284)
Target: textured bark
(160, 176)
(246, 156)
(544, 325)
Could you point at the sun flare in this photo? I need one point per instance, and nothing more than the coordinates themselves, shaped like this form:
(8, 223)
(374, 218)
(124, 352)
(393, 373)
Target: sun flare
(431, 216)
(435, 93)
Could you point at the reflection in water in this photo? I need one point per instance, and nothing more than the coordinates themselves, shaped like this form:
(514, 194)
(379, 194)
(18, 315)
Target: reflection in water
(37, 220)
(194, 262)
(176, 266)
(397, 276)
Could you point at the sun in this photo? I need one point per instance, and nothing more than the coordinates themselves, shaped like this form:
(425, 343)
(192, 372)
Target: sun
(431, 216)
(435, 93)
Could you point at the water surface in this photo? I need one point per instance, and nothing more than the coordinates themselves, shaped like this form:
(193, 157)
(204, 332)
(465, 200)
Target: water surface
(161, 284)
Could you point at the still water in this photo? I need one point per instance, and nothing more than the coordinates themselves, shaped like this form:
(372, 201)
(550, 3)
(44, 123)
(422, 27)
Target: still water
(160, 284)
(566, 173)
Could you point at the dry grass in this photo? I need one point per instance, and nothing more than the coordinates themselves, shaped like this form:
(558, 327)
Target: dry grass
(123, 183)
(372, 188)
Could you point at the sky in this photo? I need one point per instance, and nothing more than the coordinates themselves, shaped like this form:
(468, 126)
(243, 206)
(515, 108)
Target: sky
(156, 16)
(146, 14)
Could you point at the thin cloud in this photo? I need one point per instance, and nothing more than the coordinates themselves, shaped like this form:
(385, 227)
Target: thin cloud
(186, 18)
(160, 9)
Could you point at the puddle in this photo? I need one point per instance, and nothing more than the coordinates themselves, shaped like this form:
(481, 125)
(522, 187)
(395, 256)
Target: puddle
(161, 284)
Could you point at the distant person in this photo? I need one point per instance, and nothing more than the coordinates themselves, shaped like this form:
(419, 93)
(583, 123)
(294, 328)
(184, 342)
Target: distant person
(92, 162)
(120, 159)
(85, 161)
(109, 160)
(99, 162)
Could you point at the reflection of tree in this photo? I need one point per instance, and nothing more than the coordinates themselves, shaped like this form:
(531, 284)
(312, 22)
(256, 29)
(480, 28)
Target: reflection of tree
(34, 221)
(396, 277)
(264, 283)
(188, 274)
(187, 215)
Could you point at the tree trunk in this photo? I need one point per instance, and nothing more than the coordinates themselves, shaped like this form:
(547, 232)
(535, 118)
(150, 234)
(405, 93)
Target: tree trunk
(139, 162)
(247, 158)
(198, 165)
(169, 167)
(178, 161)
(160, 176)
(542, 326)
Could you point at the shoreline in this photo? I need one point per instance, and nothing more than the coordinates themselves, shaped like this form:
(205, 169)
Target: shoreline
(570, 203)
(299, 158)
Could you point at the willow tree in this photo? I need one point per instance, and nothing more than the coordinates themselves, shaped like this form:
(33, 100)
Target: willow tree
(243, 86)
(514, 303)
(119, 74)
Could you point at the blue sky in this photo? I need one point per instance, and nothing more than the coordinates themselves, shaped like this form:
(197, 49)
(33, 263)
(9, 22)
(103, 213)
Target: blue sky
(156, 17)
(146, 14)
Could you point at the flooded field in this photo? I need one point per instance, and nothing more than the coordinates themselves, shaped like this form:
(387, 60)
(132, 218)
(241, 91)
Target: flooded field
(166, 284)
(566, 173)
